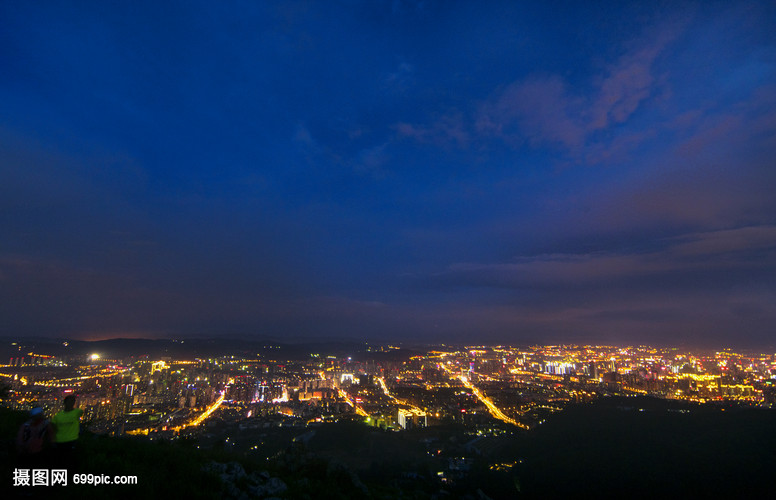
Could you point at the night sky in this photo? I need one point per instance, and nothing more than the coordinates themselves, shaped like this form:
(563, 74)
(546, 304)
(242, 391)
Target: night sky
(397, 171)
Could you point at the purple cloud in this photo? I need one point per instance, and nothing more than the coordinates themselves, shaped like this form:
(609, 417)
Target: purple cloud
(545, 110)
(689, 253)
(537, 109)
(628, 82)
(449, 129)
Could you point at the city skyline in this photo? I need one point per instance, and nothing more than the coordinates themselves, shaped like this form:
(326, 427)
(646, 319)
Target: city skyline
(436, 418)
(393, 171)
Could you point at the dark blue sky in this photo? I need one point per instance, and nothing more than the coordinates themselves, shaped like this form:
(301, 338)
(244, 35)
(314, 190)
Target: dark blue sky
(389, 170)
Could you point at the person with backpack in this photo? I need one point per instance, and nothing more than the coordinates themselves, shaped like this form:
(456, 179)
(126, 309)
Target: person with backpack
(35, 435)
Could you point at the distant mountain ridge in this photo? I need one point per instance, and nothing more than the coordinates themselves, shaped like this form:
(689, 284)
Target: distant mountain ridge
(186, 348)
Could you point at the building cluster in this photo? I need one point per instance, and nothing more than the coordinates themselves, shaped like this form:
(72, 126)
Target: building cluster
(486, 387)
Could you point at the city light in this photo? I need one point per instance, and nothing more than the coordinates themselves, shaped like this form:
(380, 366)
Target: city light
(518, 387)
(209, 411)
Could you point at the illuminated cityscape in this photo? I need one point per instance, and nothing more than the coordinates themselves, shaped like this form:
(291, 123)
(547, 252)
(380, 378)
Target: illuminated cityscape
(432, 415)
(481, 386)
(438, 414)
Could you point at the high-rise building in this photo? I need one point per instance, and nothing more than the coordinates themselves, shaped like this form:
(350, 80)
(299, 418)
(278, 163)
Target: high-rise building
(409, 419)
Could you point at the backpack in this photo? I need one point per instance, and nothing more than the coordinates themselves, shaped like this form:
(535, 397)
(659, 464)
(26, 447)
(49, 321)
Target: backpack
(33, 439)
